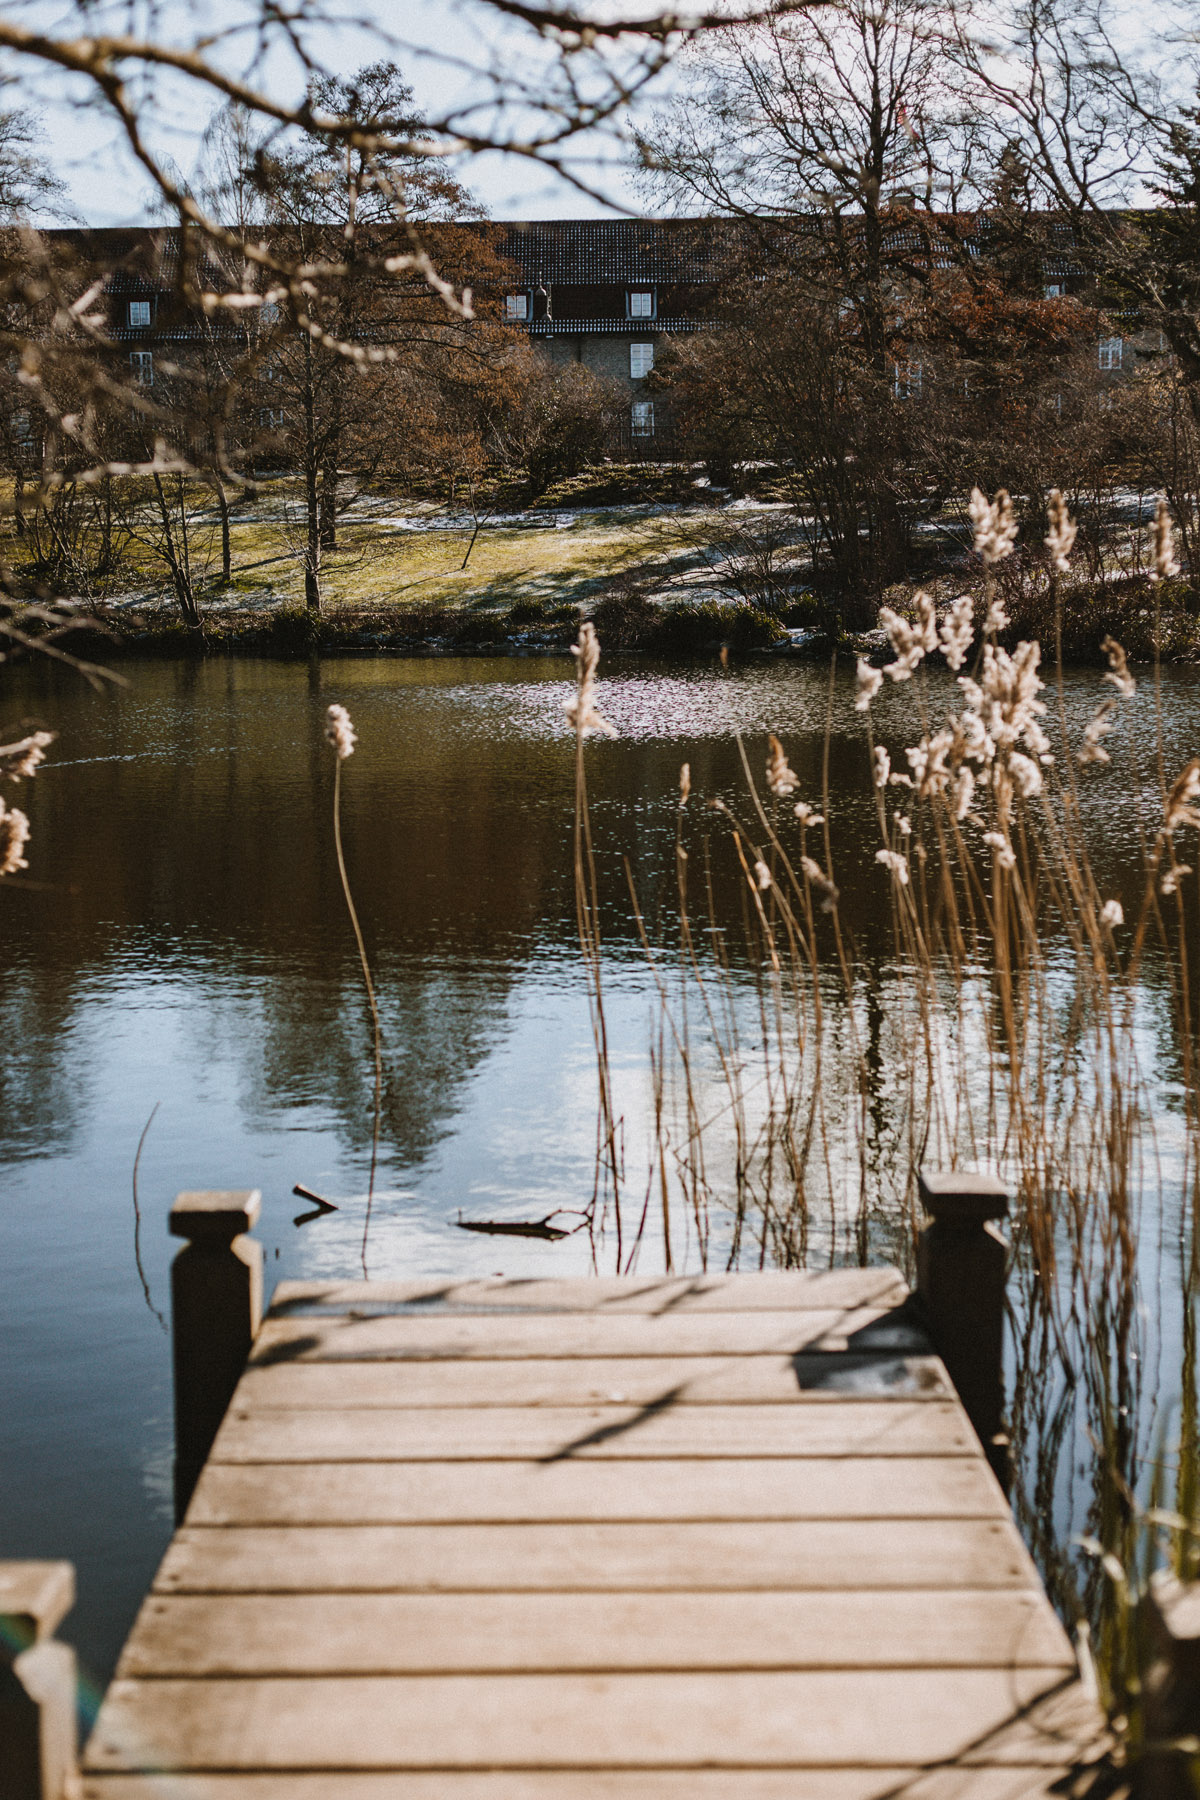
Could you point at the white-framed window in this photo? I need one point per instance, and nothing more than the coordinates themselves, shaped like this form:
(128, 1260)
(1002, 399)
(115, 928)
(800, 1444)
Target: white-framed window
(139, 312)
(22, 428)
(641, 303)
(516, 306)
(641, 361)
(642, 420)
(268, 312)
(1055, 290)
(1112, 350)
(142, 364)
(272, 418)
(907, 378)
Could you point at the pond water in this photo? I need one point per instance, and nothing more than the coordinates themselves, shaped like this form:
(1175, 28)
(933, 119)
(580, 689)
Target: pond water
(179, 953)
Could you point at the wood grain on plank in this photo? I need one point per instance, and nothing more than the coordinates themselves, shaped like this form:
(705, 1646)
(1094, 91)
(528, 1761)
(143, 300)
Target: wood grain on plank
(395, 1434)
(774, 1289)
(732, 1719)
(765, 1488)
(373, 1634)
(977, 1783)
(590, 1381)
(890, 1553)
(507, 1335)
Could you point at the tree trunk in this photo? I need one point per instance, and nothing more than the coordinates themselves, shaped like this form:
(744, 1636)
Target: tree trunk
(106, 516)
(19, 505)
(312, 541)
(312, 497)
(226, 553)
(329, 488)
(175, 554)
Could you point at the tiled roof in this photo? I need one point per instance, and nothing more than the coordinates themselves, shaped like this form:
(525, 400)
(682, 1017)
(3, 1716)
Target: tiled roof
(595, 252)
(587, 252)
(604, 252)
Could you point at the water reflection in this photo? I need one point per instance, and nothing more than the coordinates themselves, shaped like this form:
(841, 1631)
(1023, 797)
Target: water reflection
(190, 949)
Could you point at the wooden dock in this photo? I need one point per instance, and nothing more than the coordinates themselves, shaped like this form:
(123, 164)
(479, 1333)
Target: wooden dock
(613, 1539)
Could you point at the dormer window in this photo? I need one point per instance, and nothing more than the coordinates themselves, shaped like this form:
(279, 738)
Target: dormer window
(908, 378)
(641, 303)
(516, 308)
(139, 312)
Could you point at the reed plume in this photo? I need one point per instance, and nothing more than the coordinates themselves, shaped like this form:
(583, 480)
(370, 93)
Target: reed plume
(18, 761)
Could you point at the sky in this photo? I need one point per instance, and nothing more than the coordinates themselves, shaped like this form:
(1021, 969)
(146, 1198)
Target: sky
(447, 49)
(441, 46)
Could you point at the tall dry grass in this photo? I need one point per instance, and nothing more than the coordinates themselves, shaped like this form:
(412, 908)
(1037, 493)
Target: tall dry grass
(1016, 1019)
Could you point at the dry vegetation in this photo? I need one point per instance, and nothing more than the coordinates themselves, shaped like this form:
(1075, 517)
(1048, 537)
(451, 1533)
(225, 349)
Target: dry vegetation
(1010, 1023)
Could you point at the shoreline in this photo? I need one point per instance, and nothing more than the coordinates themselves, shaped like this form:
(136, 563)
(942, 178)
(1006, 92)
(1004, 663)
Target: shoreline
(290, 634)
(686, 630)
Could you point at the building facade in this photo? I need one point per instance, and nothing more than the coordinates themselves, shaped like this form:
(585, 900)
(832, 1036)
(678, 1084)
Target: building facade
(607, 293)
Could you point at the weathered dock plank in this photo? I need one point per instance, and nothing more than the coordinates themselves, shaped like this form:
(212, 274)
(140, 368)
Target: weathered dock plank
(769, 1290)
(582, 1555)
(516, 1334)
(962, 1783)
(393, 1634)
(595, 1381)
(722, 1539)
(520, 1492)
(898, 1427)
(729, 1718)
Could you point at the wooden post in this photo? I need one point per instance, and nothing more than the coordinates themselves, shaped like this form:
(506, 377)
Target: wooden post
(216, 1307)
(37, 1683)
(1170, 1689)
(961, 1263)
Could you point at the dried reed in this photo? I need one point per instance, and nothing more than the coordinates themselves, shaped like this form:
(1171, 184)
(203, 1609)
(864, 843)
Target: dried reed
(1016, 1018)
(340, 734)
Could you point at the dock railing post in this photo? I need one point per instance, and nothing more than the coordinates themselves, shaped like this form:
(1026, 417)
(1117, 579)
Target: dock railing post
(216, 1308)
(38, 1742)
(1170, 1689)
(961, 1266)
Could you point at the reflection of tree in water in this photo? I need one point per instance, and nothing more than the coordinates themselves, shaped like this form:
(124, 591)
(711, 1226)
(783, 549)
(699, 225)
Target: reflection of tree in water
(306, 1042)
(190, 841)
(43, 1080)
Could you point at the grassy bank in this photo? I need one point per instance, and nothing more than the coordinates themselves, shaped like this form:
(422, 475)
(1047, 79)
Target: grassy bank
(661, 562)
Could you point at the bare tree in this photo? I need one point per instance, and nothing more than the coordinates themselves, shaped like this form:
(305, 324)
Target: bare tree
(1096, 131)
(838, 142)
(29, 188)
